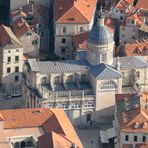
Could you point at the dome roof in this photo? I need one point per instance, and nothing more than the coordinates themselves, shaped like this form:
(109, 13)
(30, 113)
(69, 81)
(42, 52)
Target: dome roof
(100, 35)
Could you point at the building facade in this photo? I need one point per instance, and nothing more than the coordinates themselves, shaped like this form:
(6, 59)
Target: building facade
(75, 18)
(131, 120)
(11, 60)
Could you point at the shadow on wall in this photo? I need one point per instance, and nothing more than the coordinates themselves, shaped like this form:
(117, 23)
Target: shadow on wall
(94, 119)
(10, 82)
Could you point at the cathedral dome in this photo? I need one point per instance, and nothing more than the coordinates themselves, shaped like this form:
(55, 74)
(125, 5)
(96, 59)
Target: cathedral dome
(99, 34)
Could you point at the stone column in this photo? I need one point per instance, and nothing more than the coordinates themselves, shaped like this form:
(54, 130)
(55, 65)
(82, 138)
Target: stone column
(52, 82)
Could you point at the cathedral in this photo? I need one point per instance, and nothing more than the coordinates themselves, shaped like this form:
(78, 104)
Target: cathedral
(85, 88)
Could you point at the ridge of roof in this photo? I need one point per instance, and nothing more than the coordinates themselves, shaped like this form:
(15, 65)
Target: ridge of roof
(72, 8)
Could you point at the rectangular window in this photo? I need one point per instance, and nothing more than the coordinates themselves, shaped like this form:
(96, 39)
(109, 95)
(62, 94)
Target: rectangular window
(34, 42)
(16, 58)
(135, 138)
(63, 40)
(126, 138)
(63, 50)
(8, 70)
(8, 59)
(144, 139)
(81, 29)
(16, 69)
(88, 117)
(17, 50)
(16, 78)
(102, 57)
(64, 30)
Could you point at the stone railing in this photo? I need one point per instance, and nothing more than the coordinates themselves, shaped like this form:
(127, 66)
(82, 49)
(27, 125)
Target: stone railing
(69, 94)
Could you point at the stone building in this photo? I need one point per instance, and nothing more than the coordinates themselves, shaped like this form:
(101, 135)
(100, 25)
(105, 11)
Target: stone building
(131, 120)
(70, 18)
(85, 88)
(11, 51)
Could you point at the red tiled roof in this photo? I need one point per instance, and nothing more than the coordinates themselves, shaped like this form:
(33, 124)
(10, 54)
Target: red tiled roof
(142, 4)
(53, 121)
(122, 4)
(80, 39)
(127, 145)
(57, 140)
(20, 27)
(138, 48)
(136, 118)
(7, 36)
(141, 145)
(74, 11)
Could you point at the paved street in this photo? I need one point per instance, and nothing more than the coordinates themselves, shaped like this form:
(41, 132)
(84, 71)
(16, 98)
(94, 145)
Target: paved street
(89, 137)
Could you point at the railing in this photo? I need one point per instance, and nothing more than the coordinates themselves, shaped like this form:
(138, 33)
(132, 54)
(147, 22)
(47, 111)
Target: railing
(73, 93)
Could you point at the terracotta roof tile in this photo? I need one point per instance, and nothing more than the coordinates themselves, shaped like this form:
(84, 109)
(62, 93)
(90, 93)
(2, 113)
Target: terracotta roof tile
(138, 48)
(74, 11)
(7, 36)
(135, 119)
(54, 122)
(142, 4)
(79, 40)
(20, 27)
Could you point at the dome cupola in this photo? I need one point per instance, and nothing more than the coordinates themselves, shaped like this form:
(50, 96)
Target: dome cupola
(100, 43)
(99, 33)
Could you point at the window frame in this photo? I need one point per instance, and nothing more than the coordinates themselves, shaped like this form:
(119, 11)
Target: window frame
(8, 69)
(63, 41)
(108, 85)
(16, 58)
(17, 69)
(126, 138)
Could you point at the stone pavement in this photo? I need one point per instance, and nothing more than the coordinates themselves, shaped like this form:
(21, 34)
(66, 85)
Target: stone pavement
(89, 137)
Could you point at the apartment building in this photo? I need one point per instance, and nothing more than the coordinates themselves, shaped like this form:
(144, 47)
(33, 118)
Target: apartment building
(70, 18)
(11, 59)
(131, 120)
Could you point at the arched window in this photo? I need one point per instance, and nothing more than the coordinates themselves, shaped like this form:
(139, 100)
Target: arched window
(29, 143)
(138, 74)
(16, 145)
(89, 104)
(57, 79)
(83, 78)
(69, 78)
(22, 144)
(109, 85)
(43, 80)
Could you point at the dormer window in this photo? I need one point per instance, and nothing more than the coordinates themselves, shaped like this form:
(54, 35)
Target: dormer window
(29, 33)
